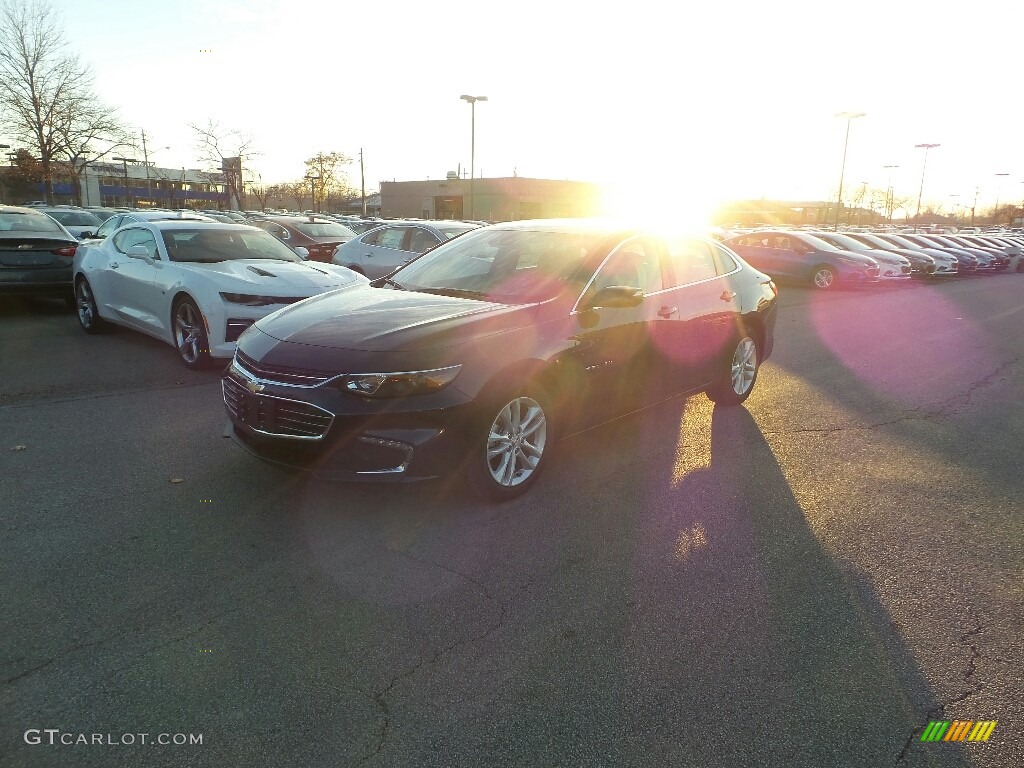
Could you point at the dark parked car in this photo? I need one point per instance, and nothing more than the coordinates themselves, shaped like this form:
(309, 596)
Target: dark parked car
(319, 236)
(386, 248)
(479, 354)
(797, 255)
(77, 221)
(36, 254)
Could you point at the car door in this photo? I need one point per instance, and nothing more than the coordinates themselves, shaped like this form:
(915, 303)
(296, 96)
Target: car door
(136, 284)
(754, 249)
(693, 337)
(613, 354)
(789, 256)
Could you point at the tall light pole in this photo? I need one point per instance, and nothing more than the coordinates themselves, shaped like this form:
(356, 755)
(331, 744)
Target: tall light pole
(842, 170)
(124, 162)
(313, 178)
(920, 191)
(999, 189)
(888, 192)
(472, 100)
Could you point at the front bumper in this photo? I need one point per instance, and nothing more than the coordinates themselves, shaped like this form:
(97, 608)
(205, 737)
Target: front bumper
(342, 437)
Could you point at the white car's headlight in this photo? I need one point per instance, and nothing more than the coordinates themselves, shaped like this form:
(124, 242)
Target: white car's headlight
(251, 300)
(401, 384)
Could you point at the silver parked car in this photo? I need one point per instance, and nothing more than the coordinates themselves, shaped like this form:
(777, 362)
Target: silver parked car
(382, 250)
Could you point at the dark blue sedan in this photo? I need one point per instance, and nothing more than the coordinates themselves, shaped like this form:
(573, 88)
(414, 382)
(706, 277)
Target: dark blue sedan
(800, 256)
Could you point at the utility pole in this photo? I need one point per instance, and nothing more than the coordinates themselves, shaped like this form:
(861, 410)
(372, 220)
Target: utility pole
(362, 179)
(145, 160)
(920, 191)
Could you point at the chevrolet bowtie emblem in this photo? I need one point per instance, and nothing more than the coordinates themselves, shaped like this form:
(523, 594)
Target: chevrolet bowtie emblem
(253, 387)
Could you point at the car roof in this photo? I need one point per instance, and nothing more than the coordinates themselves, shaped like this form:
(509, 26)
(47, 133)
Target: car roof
(172, 224)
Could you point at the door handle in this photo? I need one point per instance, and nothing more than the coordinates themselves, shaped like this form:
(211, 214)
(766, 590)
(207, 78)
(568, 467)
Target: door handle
(667, 312)
(727, 295)
(114, 265)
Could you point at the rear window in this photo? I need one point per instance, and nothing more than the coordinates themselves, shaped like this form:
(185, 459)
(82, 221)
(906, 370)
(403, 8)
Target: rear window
(323, 229)
(11, 221)
(75, 218)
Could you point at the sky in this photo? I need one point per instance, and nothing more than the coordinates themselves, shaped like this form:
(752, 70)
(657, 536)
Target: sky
(667, 104)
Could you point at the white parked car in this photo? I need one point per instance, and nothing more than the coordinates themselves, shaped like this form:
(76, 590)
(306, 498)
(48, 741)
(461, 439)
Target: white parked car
(192, 284)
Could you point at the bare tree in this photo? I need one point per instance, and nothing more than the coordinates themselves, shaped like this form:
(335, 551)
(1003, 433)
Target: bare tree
(326, 170)
(299, 192)
(88, 135)
(44, 88)
(260, 191)
(230, 151)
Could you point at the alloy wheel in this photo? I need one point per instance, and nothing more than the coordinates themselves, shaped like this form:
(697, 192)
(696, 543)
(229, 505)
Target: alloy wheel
(824, 278)
(744, 366)
(188, 332)
(86, 306)
(516, 441)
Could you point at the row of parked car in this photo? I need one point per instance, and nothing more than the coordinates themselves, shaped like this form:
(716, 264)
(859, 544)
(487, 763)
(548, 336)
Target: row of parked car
(829, 259)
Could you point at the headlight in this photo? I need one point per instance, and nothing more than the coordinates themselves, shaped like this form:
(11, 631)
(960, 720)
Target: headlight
(250, 300)
(401, 384)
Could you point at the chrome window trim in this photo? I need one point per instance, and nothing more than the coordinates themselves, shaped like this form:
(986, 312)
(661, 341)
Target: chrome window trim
(575, 307)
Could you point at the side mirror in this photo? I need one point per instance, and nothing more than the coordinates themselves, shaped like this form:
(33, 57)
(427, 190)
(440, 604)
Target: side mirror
(140, 252)
(302, 253)
(617, 297)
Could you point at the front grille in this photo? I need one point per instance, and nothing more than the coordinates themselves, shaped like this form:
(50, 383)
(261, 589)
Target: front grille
(277, 416)
(872, 271)
(282, 374)
(905, 270)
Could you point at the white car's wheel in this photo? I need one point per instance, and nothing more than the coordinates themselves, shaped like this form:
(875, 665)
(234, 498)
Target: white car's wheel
(190, 334)
(88, 315)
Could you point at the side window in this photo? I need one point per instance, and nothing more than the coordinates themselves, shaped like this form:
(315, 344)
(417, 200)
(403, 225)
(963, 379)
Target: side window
(392, 237)
(724, 262)
(421, 240)
(109, 226)
(371, 237)
(635, 263)
(125, 240)
(691, 260)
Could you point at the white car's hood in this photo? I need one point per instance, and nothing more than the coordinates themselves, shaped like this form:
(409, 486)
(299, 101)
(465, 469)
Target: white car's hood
(278, 278)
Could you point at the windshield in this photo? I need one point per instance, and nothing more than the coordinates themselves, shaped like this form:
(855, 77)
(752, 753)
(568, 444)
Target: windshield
(454, 230)
(75, 218)
(905, 243)
(214, 245)
(843, 241)
(875, 241)
(12, 221)
(508, 266)
(324, 229)
(817, 242)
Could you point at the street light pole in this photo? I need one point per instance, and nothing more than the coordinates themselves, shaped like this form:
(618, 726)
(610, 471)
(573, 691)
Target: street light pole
(842, 170)
(999, 189)
(889, 200)
(3, 193)
(124, 163)
(312, 189)
(920, 191)
(472, 100)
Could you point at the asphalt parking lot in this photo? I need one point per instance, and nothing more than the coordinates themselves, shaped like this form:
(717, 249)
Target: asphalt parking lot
(804, 581)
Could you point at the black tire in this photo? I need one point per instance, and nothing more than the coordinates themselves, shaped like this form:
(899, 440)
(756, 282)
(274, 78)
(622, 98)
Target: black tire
(824, 277)
(85, 305)
(492, 476)
(728, 390)
(189, 330)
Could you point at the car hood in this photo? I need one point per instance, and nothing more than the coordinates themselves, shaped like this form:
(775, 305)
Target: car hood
(379, 319)
(276, 277)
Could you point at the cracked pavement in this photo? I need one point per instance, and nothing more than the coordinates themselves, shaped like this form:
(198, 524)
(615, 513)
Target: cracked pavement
(805, 581)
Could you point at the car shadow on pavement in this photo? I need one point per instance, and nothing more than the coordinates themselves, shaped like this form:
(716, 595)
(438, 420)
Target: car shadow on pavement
(659, 598)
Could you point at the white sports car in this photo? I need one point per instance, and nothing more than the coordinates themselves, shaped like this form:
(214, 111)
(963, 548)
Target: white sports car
(195, 285)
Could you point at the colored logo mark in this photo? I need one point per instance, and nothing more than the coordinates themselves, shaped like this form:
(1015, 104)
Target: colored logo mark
(959, 730)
